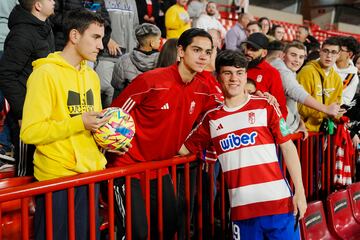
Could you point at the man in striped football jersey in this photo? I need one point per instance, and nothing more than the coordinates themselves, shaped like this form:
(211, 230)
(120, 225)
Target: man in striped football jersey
(244, 132)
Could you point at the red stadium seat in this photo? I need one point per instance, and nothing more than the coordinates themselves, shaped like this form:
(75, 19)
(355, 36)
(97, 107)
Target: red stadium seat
(313, 225)
(11, 211)
(354, 195)
(341, 220)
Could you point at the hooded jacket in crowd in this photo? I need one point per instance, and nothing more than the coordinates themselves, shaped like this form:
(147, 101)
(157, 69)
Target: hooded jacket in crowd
(314, 80)
(350, 80)
(294, 93)
(59, 94)
(29, 39)
(130, 65)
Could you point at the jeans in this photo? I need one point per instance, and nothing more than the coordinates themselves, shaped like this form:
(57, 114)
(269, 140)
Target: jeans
(5, 139)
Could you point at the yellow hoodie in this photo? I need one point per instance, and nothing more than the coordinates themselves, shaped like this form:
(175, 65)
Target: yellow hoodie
(309, 78)
(57, 94)
(176, 21)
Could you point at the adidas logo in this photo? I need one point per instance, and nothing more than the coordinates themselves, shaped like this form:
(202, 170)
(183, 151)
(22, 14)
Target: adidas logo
(219, 127)
(166, 106)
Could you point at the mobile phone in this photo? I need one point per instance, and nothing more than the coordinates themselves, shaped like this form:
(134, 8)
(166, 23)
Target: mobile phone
(344, 106)
(297, 220)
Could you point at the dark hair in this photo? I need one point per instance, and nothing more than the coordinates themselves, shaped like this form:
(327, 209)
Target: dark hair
(273, 29)
(334, 41)
(254, 23)
(145, 30)
(295, 44)
(80, 20)
(26, 4)
(168, 53)
(276, 45)
(266, 19)
(357, 56)
(230, 58)
(186, 37)
(351, 43)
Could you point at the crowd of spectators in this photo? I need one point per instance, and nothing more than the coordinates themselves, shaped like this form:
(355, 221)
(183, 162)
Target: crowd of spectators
(314, 84)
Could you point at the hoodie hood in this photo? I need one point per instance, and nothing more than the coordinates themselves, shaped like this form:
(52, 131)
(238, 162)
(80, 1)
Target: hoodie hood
(19, 16)
(144, 61)
(350, 69)
(56, 58)
(316, 65)
(281, 66)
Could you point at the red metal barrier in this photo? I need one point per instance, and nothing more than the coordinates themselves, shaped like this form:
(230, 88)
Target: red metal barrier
(308, 150)
(25, 192)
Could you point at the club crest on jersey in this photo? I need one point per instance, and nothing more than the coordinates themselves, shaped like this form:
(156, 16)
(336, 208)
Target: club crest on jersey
(192, 107)
(259, 78)
(251, 117)
(235, 141)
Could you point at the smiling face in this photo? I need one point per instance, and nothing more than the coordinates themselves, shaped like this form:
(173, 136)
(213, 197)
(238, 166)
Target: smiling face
(197, 55)
(89, 43)
(294, 58)
(232, 80)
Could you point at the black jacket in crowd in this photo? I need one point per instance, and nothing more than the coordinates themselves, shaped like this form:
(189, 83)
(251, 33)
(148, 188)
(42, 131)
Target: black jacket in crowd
(63, 6)
(354, 115)
(29, 39)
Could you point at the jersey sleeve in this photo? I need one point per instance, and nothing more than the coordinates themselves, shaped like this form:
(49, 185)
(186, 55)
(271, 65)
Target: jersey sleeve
(216, 95)
(277, 90)
(277, 124)
(133, 94)
(199, 138)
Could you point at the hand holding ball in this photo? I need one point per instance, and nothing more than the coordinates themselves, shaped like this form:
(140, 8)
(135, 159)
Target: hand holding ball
(117, 132)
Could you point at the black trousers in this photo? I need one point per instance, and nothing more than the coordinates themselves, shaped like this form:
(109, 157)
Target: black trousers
(139, 222)
(60, 214)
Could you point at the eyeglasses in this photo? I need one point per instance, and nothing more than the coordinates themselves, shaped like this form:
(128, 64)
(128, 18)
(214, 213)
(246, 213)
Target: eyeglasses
(327, 51)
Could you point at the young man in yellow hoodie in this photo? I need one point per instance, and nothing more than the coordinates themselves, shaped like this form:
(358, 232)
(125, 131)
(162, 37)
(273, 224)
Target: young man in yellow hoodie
(62, 107)
(320, 80)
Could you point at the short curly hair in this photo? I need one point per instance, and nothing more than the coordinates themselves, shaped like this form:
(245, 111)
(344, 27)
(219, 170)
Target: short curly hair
(351, 43)
(230, 58)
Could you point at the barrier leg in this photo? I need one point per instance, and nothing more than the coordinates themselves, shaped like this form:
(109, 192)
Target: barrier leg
(71, 213)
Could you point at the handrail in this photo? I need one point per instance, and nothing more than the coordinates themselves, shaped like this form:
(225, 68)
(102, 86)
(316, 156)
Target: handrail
(42, 187)
(309, 151)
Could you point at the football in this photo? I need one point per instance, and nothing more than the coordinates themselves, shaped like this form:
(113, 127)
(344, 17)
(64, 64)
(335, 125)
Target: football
(117, 132)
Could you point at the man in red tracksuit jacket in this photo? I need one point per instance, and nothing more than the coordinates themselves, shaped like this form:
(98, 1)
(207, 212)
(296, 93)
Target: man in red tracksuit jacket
(165, 103)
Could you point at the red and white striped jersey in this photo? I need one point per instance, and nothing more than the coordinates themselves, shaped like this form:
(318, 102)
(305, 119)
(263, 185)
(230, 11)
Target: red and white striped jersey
(165, 110)
(244, 138)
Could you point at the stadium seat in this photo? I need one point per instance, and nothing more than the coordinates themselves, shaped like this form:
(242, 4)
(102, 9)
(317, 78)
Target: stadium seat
(340, 217)
(11, 211)
(313, 225)
(354, 195)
